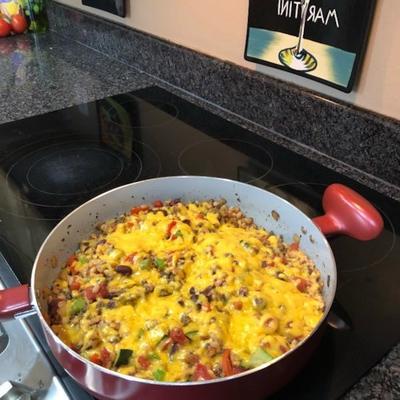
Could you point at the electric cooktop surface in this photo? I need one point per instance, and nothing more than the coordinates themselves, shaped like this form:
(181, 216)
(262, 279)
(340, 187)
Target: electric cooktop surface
(52, 163)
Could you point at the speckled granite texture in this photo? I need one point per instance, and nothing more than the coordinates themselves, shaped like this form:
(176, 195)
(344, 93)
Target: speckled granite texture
(359, 139)
(382, 382)
(44, 73)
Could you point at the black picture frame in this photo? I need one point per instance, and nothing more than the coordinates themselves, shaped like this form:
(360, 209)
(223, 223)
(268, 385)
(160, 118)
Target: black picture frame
(365, 22)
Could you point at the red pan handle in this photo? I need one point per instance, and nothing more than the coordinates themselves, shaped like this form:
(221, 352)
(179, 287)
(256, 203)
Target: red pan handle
(348, 213)
(14, 301)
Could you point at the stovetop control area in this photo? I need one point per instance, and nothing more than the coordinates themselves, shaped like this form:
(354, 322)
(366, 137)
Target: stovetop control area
(25, 371)
(52, 163)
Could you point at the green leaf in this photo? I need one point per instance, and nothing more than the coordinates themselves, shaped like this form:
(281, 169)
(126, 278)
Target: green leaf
(260, 356)
(77, 305)
(123, 358)
(178, 233)
(160, 263)
(83, 259)
(159, 374)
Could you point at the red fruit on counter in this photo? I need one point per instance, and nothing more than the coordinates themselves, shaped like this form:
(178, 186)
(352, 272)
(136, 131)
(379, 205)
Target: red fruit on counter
(18, 23)
(5, 28)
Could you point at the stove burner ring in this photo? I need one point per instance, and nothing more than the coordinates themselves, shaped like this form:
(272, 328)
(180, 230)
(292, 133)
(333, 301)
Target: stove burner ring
(74, 171)
(209, 157)
(23, 167)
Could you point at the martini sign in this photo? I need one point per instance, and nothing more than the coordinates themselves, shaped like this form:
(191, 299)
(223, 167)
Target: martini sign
(323, 40)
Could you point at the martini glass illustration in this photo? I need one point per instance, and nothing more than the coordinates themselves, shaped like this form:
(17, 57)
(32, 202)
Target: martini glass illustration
(297, 57)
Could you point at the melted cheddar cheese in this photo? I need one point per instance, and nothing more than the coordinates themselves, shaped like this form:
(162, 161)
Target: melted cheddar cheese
(182, 292)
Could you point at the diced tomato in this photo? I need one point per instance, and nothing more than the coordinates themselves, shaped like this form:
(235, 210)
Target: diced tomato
(102, 292)
(178, 336)
(95, 358)
(200, 216)
(89, 293)
(74, 285)
(227, 367)
(157, 203)
(294, 246)
(105, 357)
(201, 373)
(238, 305)
(137, 210)
(71, 259)
(171, 226)
(302, 284)
(144, 362)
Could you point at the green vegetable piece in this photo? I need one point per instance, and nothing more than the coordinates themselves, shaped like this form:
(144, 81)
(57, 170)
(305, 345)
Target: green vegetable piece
(144, 264)
(77, 306)
(191, 334)
(36, 9)
(154, 356)
(160, 263)
(162, 340)
(159, 374)
(260, 356)
(140, 333)
(123, 358)
(83, 259)
(178, 233)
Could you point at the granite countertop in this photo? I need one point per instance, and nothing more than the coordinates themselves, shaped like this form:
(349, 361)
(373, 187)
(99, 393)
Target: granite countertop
(43, 73)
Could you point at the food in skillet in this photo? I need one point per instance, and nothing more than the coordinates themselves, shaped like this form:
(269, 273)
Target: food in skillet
(184, 292)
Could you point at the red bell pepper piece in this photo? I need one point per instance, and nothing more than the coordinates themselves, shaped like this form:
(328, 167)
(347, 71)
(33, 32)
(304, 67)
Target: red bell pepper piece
(95, 358)
(171, 226)
(157, 204)
(144, 362)
(201, 373)
(105, 357)
(227, 367)
(177, 336)
(137, 210)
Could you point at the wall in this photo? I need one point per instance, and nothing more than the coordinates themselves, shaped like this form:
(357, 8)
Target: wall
(198, 25)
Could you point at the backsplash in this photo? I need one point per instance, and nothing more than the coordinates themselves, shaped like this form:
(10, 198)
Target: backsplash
(218, 29)
(357, 138)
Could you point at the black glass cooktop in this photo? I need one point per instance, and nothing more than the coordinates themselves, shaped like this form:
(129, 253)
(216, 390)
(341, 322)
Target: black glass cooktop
(52, 163)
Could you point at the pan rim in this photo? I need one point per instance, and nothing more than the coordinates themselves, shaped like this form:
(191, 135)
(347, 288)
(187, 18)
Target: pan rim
(46, 326)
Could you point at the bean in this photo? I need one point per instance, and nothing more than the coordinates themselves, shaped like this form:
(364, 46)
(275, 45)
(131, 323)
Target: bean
(123, 269)
(259, 303)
